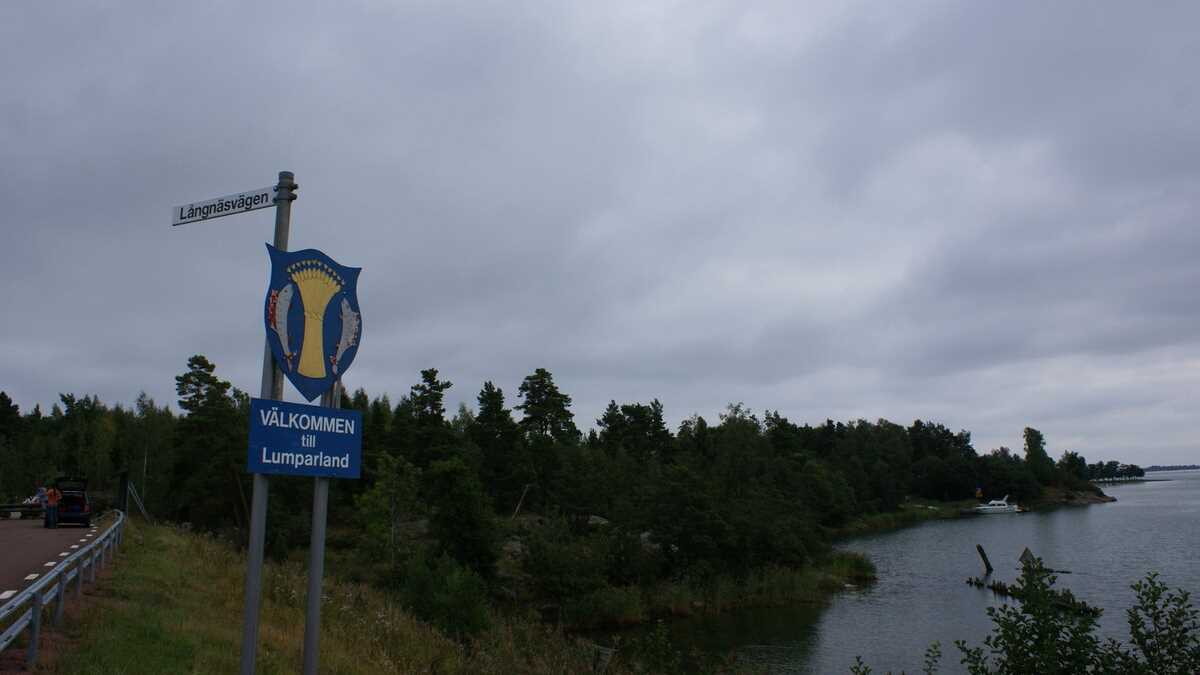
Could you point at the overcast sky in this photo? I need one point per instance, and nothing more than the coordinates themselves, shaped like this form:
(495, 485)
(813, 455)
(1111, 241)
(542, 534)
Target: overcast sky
(979, 213)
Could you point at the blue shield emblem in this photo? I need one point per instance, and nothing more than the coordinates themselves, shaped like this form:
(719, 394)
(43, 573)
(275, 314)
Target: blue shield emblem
(312, 316)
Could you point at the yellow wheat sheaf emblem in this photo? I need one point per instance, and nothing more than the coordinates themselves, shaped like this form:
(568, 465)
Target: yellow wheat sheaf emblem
(318, 284)
(312, 318)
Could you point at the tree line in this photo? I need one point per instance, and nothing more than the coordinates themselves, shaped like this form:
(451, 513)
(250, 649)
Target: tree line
(1173, 467)
(1113, 471)
(629, 502)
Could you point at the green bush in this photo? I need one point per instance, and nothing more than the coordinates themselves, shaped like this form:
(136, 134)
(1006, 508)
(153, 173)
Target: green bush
(445, 593)
(607, 606)
(651, 653)
(1165, 630)
(629, 561)
(461, 518)
(1037, 636)
(852, 565)
(564, 566)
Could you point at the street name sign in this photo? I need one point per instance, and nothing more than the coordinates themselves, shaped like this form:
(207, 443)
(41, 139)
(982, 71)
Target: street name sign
(223, 206)
(304, 440)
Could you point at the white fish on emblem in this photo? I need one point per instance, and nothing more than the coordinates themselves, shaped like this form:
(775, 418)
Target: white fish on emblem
(350, 324)
(281, 301)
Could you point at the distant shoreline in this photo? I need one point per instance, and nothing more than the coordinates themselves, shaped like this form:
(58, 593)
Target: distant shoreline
(1055, 496)
(915, 511)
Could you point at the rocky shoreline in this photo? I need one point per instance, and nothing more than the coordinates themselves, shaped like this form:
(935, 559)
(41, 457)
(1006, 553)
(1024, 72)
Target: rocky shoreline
(1052, 497)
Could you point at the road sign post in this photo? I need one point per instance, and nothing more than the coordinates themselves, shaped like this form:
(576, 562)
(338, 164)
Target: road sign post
(316, 574)
(302, 440)
(316, 556)
(313, 327)
(272, 388)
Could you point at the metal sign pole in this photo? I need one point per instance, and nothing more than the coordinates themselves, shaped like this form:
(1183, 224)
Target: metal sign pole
(272, 388)
(316, 555)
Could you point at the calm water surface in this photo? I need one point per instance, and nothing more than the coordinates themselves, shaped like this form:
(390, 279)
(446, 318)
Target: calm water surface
(921, 596)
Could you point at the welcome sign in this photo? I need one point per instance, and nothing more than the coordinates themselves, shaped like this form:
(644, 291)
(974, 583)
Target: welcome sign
(304, 440)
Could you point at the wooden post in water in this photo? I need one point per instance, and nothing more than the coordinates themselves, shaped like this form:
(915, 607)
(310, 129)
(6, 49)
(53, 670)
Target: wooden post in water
(986, 563)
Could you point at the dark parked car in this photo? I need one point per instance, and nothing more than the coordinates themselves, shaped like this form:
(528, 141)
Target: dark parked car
(74, 507)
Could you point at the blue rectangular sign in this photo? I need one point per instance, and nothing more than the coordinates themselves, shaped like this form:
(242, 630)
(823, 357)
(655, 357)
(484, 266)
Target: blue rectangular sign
(304, 440)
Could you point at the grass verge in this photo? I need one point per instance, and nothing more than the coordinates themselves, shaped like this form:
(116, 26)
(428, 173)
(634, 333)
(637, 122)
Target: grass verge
(174, 605)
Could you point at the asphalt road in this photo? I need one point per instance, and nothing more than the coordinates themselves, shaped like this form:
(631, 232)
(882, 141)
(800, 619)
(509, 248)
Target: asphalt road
(26, 547)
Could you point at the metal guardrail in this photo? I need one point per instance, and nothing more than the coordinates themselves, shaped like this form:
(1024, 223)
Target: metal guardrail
(24, 509)
(51, 589)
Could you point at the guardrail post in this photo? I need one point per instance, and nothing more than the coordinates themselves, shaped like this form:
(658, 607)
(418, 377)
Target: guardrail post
(88, 562)
(60, 599)
(35, 629)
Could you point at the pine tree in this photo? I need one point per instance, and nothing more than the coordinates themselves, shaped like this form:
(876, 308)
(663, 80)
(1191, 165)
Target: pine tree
(10, 427)
(10, 419)
(427, 397)
(547, 427)
(636, 429)
(432, 437)
(506, 468)
(211, 468)
(1035, 456)
(547, 410)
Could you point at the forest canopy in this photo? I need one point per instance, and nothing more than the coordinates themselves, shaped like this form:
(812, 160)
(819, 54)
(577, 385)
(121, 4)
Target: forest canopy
(623, 502)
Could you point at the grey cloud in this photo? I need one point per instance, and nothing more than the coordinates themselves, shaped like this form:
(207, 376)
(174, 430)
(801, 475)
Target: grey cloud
(945, 210)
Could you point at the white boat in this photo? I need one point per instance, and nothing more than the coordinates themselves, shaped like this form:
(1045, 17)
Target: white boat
(998, 506)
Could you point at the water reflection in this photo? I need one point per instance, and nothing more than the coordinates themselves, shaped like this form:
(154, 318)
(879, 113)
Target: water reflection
(921, 596)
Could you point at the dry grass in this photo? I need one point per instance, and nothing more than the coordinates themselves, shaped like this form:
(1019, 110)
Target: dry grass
(174, 605)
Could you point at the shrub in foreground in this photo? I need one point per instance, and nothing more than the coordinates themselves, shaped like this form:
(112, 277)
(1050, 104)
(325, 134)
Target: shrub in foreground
(1036, 636)
(448, 595)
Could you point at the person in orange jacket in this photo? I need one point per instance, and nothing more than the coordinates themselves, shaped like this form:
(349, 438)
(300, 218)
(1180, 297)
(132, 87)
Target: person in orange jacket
(52, 497)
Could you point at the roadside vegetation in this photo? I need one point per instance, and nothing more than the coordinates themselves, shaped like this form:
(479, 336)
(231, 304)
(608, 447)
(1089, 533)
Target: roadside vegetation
(167, 608)
(504, 510)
